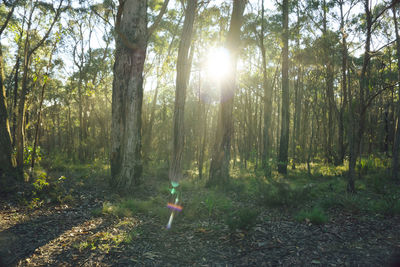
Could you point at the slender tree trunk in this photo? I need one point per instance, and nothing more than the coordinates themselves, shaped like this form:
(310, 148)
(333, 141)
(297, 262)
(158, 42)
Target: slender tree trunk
(219, 168)
(37, 128)
(20, 135)
(342, 149)
(6, 158)
(396, 146)
(7, 162)
(284, 138)
(28, 52)
(356, 136)
(182, 80)
(267, 104)
(15, 100)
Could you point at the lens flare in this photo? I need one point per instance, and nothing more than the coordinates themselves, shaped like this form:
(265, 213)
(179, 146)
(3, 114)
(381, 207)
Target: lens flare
(174, 207)
(218, 62)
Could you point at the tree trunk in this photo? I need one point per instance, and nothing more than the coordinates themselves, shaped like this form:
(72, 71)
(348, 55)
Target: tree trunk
(182, 80)
(219, 168)
(396, 146)
(127, 95)
(284, 138)
(342, 149)
(28, 52)
(37, 128)
(267, 104)
(364, 83)
(6, 158)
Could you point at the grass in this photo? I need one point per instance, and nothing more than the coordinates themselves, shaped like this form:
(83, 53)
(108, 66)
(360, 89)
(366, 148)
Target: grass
(129, 207)
(238, 203)
(243, 219)
(315, 215)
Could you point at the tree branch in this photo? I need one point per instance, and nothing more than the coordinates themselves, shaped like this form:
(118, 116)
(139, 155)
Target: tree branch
(8, 18)
(369, 102)
(393, 3)
(58, 12)
(158, 19)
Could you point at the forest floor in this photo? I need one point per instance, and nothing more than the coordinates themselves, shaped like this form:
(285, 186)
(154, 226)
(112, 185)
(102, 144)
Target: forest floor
(91, 226)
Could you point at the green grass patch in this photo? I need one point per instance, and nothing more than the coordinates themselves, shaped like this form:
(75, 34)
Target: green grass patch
(154, 206)
(243, 219)
(207, 204)
(315, 215)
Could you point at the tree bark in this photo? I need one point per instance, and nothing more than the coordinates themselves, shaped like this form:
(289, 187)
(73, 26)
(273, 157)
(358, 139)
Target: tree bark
(127, 95)
(284, 138)
(364, 82)
(219, 168)
(396, 146)
(267, 104)
(182, 80)
(37, 128)
(6, 159)
(342, 149)
(28, 52)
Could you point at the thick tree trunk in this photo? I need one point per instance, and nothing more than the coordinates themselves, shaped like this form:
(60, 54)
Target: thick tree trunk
(182, 80)
(284, 138)
(127, 96)
(396, 146)
(219, 168)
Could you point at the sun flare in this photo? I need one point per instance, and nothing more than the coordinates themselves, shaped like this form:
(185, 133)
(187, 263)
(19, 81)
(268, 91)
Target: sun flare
(218, 62)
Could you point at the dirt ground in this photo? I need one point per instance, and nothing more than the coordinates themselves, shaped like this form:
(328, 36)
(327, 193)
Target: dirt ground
(72, 235)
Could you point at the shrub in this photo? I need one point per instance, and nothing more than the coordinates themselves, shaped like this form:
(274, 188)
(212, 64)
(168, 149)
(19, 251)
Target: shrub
(388, 206)
(315, 216)
(243, 218)
(280, 194)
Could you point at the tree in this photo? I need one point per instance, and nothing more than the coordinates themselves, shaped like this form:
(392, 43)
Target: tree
(284, 139)
(6, 158)
(219, 168)
(130, 53)
(29, 50)
(267, 102)
(182, 80)
(396, 146)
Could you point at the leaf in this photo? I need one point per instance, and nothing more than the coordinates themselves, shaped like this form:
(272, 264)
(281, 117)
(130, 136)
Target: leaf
(315, 262)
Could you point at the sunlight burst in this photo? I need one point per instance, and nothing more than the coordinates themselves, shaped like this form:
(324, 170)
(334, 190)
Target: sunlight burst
(218, 62)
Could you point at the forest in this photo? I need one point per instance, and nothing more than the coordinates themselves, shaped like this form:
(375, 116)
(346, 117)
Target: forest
(199, 133)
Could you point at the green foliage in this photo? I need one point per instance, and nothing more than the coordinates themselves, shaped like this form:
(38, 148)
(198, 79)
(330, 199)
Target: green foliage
(204, 205)
(377, 183)
(40, 182)
(243, 219)
(389, 206)
(373, 164)
(279, 194)
(28, 155)
(103, 241)
(216, 203)
(154, 206)
(315, 215)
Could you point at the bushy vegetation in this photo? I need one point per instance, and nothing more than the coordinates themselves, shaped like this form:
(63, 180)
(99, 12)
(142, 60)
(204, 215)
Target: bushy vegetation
(315, 215)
